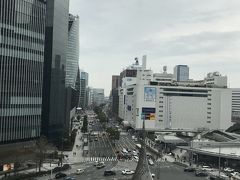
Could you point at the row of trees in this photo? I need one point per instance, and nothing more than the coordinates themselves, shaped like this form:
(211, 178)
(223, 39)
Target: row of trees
(100, 114)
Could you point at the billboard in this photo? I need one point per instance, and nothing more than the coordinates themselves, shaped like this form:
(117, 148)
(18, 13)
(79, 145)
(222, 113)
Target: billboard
(8, 167)
(148, 113)
(149, 93)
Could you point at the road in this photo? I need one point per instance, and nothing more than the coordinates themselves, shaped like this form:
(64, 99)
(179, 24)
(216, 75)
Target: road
(168, 171)
(102, 146)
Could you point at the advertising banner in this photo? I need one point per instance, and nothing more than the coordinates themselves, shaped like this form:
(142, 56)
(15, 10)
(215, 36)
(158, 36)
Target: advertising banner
(148, 114)
(150, 94)
(8, 167)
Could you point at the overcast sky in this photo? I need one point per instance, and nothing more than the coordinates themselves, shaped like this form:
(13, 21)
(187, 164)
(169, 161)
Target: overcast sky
(204, 34)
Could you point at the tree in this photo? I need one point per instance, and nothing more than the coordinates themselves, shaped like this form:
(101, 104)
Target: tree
(78, 117)
(41, 148)
(113, 133)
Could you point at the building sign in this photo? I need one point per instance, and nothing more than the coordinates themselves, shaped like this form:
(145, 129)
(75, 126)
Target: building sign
(148, 114)
(8, 167)
(149, 93)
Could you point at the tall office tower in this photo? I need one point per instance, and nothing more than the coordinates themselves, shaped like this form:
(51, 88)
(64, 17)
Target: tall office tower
(114, 98)
(77, 87)
(98, 96)
(115, 81)
(56, 41)
(181, 73)
(72, 50)
(83, 86)
(22, 26)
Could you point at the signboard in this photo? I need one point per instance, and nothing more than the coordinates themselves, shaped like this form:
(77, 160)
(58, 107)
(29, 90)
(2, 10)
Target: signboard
(8, 167)
(148, 114)
(149, 93)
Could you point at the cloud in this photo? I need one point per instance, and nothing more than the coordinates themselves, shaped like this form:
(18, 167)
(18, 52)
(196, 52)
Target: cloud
(170, 32)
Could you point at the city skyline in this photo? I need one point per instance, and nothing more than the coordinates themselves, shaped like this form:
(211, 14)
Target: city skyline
(201, 35)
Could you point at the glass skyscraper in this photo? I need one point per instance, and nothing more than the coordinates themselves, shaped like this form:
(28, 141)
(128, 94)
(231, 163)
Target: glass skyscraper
(72, 51)
(22, 26)
(181, 73)
(83, 85)
(54, 92)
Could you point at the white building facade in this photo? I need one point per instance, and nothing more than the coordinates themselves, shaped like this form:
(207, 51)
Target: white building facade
(176, 105)
(169, 107)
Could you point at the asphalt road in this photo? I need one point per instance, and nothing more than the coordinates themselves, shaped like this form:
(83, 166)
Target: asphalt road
(168, 171)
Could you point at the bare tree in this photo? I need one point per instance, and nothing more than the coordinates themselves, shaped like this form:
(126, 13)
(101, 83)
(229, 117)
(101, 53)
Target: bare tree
(41, 148)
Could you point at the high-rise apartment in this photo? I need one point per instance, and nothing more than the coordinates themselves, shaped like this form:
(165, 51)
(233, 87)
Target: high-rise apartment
(22, 25)
(72, 50)
(181, 73)
(56, 43)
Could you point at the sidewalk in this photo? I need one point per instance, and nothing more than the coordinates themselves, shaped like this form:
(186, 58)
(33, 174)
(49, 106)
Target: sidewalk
(75, 155)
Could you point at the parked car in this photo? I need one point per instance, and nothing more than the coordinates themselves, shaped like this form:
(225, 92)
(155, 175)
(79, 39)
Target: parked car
(189, 169)
(79, 171)
(60, 175)
(127, 172)
(109, 173)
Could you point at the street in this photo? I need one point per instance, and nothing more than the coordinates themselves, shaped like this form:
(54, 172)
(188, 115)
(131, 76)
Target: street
(168, 171)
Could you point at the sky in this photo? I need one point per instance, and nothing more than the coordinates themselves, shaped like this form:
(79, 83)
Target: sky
(204, 34)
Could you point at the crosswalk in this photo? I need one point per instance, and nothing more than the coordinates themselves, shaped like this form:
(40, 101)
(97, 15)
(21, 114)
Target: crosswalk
(104, 159)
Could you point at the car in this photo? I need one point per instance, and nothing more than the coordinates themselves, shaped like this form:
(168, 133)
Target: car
(109, 173)
(79, 171)
(135, 158)
(206, 168)
(60, 175)
(100, 165)
(124, 151)
(201, 173)
(96, 163)
(153, 175)
(127, 172)
(150, 162)
(189, 169)
(227, 169)
(69, 178)
(95, 139)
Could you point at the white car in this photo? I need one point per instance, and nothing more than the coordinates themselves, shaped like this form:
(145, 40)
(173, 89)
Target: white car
(153, 175)
(127, 172)
(150, 162)
(227, 169)
(79, 171)
(207, 168)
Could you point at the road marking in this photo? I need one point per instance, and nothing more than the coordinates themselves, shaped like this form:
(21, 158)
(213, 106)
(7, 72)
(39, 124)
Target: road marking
(132, 144)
